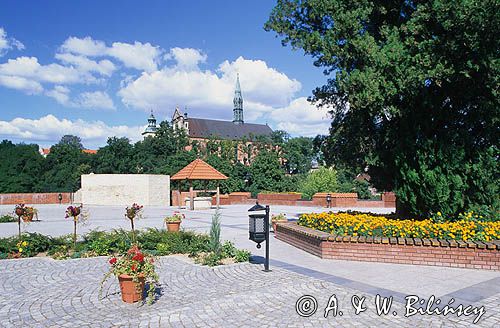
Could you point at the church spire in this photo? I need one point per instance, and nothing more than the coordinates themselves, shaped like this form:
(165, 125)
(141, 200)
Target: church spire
(238, 103)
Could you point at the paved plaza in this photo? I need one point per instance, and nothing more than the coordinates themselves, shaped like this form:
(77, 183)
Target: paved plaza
(41, 292)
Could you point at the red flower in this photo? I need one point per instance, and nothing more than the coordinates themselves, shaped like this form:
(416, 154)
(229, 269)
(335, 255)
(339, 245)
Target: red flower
(133, 249)
(138, 257)
(151, 261)
(134, 267)
(112, 261)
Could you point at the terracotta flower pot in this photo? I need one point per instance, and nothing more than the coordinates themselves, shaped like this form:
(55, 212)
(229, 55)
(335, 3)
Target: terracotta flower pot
(173, 225)
(19, 211)
(131, 291)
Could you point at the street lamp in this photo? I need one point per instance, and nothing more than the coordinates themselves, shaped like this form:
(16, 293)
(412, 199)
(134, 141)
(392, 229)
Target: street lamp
(248, 176)
(329, 200)
(258, 228)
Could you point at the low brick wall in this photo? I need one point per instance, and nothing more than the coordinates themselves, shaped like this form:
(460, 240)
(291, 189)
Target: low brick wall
(279, 199)
(389, 199)
(418, 251)
(293, 199)
(35, 198)
(180, 198)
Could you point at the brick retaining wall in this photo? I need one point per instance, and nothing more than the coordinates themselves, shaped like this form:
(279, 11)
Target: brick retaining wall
(419, 251)
(40, 198)
(294, 199)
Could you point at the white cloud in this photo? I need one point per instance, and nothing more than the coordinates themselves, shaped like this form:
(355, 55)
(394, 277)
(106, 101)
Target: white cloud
(103, 67)
(7, 43)
(60, 94)
(49, 129)
(186, 58)
(29, 68)
(263, 87)
(86, 46)
(90, 100)
(300, 117)
(261, 83)
(141, 56)
(96, 100)
(21, 84)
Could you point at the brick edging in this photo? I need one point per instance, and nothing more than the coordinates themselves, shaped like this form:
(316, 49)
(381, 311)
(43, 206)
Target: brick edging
(420, 251)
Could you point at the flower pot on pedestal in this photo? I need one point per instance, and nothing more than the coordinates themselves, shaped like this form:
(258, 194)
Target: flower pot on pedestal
(173, 226)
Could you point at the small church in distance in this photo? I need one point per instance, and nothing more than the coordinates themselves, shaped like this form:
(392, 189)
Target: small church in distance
(202, 129)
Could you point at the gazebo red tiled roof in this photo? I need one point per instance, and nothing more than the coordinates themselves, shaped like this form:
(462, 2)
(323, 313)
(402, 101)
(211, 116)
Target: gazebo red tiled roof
(198, 170)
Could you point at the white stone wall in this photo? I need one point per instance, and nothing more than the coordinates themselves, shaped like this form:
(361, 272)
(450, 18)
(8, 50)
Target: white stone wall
(125, 189)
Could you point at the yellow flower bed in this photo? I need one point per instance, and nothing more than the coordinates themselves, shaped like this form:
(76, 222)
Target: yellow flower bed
(359, 224)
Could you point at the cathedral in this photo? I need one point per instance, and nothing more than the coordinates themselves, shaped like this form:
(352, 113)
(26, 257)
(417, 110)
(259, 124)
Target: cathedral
(203, 129)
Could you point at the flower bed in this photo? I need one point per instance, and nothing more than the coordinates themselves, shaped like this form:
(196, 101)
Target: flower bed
(361, 224)
(100, 243)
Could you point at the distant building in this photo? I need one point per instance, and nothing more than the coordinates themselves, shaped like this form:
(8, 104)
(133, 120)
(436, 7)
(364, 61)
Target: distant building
(45, 151)
(152, 128)
(202, 129)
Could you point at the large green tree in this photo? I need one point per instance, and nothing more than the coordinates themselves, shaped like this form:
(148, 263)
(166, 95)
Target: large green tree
(115, 158)
(153, 154)
(413, 93)
(64, 166)
(20, 167)
(266, 172)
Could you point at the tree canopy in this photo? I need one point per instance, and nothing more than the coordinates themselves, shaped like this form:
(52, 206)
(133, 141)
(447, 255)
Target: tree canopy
(413, 93)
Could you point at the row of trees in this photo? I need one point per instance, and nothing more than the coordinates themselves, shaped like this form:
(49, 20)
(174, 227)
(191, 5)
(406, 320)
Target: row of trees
(281, 164)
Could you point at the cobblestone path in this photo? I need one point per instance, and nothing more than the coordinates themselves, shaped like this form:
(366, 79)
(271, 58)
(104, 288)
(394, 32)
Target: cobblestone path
(41, 292)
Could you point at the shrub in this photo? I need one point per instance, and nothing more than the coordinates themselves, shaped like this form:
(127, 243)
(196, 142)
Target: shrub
(321, 180)
(99, 243)
(7, 218)
(242, 255)
(214, 244)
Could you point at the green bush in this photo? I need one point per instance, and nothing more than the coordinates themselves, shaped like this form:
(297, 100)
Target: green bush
(101, 243)
(321, 180)
(242, 255)
(5, 218)
(214, 244)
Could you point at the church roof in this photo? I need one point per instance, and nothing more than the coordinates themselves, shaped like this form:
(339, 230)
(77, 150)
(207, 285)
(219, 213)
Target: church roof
(204, 128)
(198, 170)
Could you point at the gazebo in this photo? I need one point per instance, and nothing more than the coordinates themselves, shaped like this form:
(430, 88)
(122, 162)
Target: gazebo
(198, 170)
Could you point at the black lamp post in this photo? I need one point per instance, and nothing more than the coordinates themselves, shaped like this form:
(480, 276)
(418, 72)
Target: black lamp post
(258, 228)
(329, 200)
(60, 198)
(248, 177)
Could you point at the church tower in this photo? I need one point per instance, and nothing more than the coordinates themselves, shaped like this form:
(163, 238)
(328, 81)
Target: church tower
(152, 127)
(238, 103)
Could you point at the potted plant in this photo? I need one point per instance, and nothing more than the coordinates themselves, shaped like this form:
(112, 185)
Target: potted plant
(133, 212)
(29, 213)
(174, 222)
(134, 270)
(278, 218)
(19, 210)
(77, 215)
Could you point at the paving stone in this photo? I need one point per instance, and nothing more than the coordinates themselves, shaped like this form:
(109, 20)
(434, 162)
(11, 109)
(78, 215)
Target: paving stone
(41, 292)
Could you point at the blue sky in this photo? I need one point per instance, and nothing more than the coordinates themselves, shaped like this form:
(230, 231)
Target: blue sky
(96, 68)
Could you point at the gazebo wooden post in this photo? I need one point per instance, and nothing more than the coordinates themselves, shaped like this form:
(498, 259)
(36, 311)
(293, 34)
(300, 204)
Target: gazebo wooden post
(218, 193)
(179, 200)
(191, 197)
